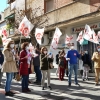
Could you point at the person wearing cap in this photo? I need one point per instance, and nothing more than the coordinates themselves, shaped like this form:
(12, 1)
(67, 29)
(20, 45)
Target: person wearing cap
(72, 56)
(96, 59)
(1, 62)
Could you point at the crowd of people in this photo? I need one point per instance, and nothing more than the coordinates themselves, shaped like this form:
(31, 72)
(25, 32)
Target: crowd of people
(14, 63)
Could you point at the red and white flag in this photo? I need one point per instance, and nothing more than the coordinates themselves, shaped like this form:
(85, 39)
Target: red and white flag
(31, 48)
(25, 27)
(39, 34)
(5, 40)
(95, 38)
(4, 32)
(87, 33)
(99, 34)
(80, 38)
(68, 39)
(55, 39)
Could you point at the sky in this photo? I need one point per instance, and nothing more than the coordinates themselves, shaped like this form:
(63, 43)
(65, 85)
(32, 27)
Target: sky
(3, 5)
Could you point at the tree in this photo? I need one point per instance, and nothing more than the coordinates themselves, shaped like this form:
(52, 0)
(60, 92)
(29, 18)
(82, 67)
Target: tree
(35, 16)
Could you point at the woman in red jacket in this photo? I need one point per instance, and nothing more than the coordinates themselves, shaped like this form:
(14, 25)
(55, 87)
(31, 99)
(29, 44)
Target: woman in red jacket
(24, 72)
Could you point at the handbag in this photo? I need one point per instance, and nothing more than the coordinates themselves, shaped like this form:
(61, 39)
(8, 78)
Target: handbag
(18, 77)
(51, 65)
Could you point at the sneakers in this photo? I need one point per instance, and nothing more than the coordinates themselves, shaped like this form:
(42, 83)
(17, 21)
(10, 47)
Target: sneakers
(42, 88)
(77, 84)
(50, 87)
(9, 94)
(96, 84)
(69, 84)
(28, 90)
(24, 91)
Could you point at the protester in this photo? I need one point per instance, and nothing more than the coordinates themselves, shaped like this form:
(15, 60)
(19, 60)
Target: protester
(57, 58)
(57, 62)
(24, 64)
(81, 64)
(36, 63)
(45, 67)
(1, 62)
(17, 62)
(62, 65)
(86, 64)
(96, 59)
(9, 65)
(72, 56)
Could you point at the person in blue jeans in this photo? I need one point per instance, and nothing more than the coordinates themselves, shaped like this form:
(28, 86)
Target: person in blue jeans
(72, 56)
(9, 66)
(36, 63)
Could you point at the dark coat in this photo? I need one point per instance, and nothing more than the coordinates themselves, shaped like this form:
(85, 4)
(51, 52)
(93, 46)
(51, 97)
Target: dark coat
(86, 59)
(45, 62)
(23, 63)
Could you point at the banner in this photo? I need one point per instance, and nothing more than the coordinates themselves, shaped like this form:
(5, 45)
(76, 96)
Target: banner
(25, 27)
(39, 34)
(55, 39)
(88, 33)
(5, 40)
(68, 39)
(4, 32)
(95, 38)
(80, 38)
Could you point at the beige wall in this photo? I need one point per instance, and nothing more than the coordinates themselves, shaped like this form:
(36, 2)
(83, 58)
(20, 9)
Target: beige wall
(69, 12)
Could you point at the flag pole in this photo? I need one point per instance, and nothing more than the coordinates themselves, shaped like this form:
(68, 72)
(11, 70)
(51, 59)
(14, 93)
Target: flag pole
(20, 42)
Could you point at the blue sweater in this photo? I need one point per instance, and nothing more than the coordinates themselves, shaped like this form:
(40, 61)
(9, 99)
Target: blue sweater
(73, 55)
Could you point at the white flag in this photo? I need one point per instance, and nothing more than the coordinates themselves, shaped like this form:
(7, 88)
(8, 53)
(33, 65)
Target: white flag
(55, 39)
(39, 34)
(95, 37)
(80, 38)
(88, 33)
(5, 40)
(13, 5)
(25, 27)
(99, 34)
(68, 39)
(31, 48)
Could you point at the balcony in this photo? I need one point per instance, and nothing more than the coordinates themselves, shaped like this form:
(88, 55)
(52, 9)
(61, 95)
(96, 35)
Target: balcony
(10, 1)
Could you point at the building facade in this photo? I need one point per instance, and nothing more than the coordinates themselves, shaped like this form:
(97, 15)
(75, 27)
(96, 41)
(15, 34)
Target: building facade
(70, 16)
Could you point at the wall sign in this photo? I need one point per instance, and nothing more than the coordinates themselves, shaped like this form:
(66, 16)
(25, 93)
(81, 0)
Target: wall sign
(79, 29)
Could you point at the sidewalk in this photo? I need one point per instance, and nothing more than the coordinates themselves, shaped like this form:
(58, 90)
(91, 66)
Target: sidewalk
(86, 91)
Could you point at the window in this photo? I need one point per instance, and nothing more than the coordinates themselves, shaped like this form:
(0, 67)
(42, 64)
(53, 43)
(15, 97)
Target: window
(48, 5)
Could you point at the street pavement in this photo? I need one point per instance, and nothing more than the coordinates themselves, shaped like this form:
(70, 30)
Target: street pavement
(60, 90)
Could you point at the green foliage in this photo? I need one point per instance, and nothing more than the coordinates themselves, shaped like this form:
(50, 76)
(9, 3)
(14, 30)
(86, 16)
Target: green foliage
(9, 26)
